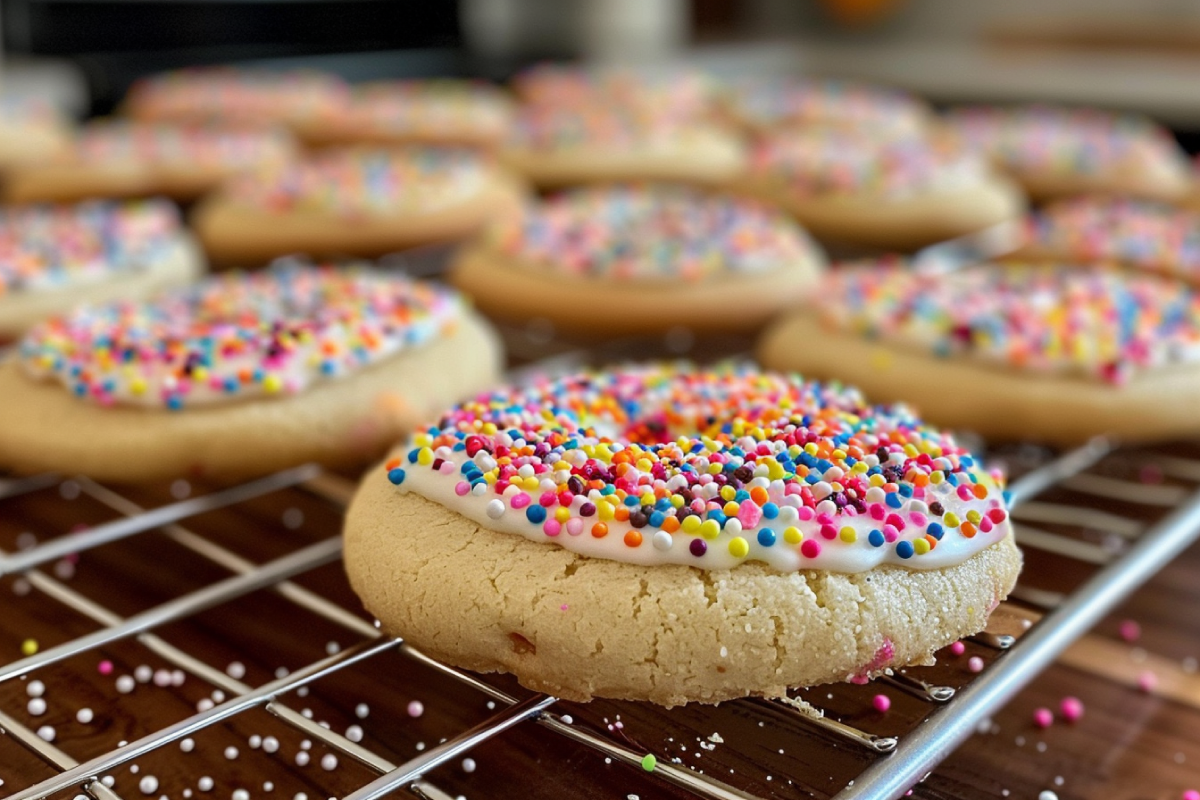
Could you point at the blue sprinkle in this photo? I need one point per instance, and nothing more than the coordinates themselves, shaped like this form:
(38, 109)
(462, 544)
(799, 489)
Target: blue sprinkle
(396, 476)
(632, 501)
(536, 514)
(906, 490)
(741, 496)
(875, 537)
(893, 500)
(766, 537)
(770, 511)
(656, 519)
(935, 530)
(904, 549)
(718, 515)
(174, 402)
(412, 455)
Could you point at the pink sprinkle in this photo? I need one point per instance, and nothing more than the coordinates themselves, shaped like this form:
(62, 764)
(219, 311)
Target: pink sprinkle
(749, 514)
(804, 513)
(1043, 718)
(552, 527)
(975, 664)
(958, 648)
(1072, 710)
(105, 667)
(563, 607)
(1147, 681)
(829, 532)
(520, 500)
(877, 511)
(1191, 794)
(809, 548)
(416, 708)
(1130, 631)
(881, 702)
(890, 534)
(574, 526)
(824, 519)
(462, 488)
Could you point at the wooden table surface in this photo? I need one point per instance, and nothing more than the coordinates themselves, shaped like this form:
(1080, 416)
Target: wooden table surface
(1130, 743)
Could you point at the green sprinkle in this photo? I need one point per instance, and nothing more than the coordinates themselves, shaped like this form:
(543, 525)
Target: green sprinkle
(649, 762)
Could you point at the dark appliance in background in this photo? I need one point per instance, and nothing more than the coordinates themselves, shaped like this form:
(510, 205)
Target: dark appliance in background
(114, 43)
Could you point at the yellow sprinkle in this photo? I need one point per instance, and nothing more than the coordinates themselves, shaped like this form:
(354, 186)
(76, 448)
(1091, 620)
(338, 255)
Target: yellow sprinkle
(690, 524)
(920, 546)
(562, 514)
(531, 483)
(271, 384)
(728, 493)
(29, 647)
(709, 529)
(793, 535)
(425, 456)
(730, 509)
(137, 386)
(951, 519)
(738, 547)
(604, 511)
(973, 517)
(847, 534)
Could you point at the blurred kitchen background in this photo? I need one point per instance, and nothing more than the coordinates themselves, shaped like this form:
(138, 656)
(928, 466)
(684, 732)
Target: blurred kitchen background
(1139, 55)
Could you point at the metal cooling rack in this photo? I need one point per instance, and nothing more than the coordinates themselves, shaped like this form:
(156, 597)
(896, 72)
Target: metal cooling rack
(1055, 508)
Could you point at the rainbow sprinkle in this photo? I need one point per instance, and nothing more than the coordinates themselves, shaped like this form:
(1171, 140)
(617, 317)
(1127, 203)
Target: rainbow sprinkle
(182, 146)
(561, 127)
(708, 469)
(814, 161)
(1136, 233)
(680, 94)
(429, 107)
(236, 95)
(1047, 318)
(827, 102)
(50, 247)
(359, 181)
(238, 335)
(633, 232)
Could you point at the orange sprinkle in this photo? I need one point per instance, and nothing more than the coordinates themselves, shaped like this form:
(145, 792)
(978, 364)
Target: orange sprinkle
(621, 514)
(980, 490)
(599, 530)
(392, 463)
(759, 495)
(670, 524)
(633, 539)
(967, 529)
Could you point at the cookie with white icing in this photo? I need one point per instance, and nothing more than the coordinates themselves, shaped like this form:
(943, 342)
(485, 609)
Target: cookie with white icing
(53, 258)
(640, 259)
(860, 188)
(121, 159)
(233, 96)
(240, 375)
(1127, 233)
(678, 536)
(558, 146)
(31, 132)
(359, 202)
(671, 91)
(432, 112)
(1054, 151)
(763, 106)
(1038, 352)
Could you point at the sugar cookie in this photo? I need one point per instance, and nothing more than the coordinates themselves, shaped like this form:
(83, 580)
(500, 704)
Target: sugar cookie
(762, 106)
(240, 375)
(630, 259)
(679, 536)
(1025, 352)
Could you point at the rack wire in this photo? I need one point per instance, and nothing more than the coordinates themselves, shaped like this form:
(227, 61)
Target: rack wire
(1139, 528)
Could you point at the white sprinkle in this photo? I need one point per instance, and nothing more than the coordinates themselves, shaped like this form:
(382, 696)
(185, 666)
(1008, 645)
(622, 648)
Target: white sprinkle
(241, 794)
(126, 684)
(46, 732)
(204, 704)
(306, 745)
(302, 691)
(281, 672)
(187, 793)
(178, 676)
(187, 745)
(162, 677)
(148, 785)
(300, 796)
(566, 719)
(1058, 780)
(468, 765)
(143, 673)
(724, 651)
(661, 540)
(205, 784)
(180, 489)
(333, 648)
(133, 768)
(495, 509)
(231, 752)
(1047, 795)
(255, 741)
(236, 670)
(36, 707)
(218, 696)
(84, 715)
(64, 569)
(416, 708)
(491, 705)
(268, 786)
(362, 710)
(420, 746)
(293, 518)
(302, 759)
(69, 491)
(35, 689)
(329, 762)
(1041, 747)
(354, 733)
(108, 780)
(21, 587)
(306, 713)
(270, 744)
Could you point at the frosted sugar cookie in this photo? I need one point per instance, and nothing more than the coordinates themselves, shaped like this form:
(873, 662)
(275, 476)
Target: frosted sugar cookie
(240, 375)
(676, 536)
(762, 106)
(116, 159)
(1054, 151)
(1031, 352)
(1121, 232)
(680, 93)
(638, 259)
(31, 132)
(890, 192)
(236, 96)
(355, 202)
(561, 146)
(437, 112)
(53, 258)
